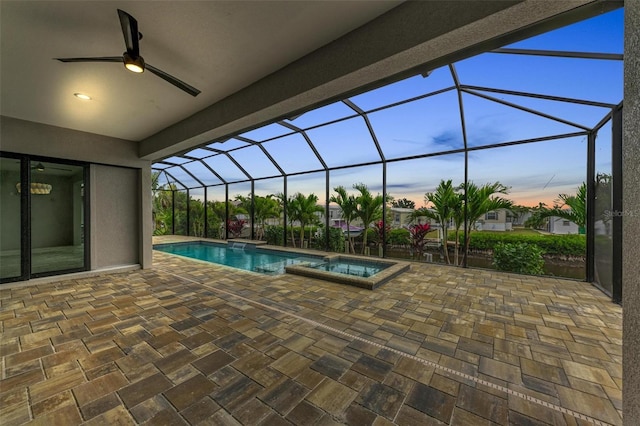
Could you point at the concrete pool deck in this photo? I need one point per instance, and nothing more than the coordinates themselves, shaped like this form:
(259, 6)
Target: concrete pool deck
(187, 342)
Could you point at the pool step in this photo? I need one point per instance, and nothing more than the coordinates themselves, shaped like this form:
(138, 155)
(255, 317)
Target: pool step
(279, 267)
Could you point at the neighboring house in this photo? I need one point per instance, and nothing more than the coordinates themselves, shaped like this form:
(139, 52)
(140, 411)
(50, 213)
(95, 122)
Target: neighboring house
(400, 216)
(497, 220)
(557, 225)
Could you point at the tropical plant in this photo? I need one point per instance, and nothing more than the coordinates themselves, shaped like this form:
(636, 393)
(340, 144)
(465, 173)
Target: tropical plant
(481, 200)
(235, 226)
(518, 257)
(304, 209)
(576, 211)
(369, 208)
(443, 204)
(418, 232)
(382, 231)
(349, 207)
(196, 218)
(264, 207)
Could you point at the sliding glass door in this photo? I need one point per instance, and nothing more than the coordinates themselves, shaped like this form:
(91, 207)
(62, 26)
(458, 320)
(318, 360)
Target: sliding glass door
(43, 211)
(57, 217)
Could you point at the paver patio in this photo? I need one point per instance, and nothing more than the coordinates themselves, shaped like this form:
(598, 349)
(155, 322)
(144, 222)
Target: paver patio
(193, 343)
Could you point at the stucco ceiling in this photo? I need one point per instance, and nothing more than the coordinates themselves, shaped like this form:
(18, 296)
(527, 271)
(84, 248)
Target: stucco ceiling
(217, 46)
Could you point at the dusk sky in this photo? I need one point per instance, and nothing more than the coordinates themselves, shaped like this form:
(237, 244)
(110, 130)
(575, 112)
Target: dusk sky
(535, 172)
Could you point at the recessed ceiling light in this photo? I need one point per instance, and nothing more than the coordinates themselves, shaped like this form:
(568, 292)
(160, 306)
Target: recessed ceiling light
(82, 96)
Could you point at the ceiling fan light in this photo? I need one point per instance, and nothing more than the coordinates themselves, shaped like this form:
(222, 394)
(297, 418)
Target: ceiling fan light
(133, 64)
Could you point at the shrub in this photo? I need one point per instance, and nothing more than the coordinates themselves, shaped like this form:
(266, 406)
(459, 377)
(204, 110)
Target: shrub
(274, 235)
(521, 258)
(564, 245)
(336, 240)
(399, 237)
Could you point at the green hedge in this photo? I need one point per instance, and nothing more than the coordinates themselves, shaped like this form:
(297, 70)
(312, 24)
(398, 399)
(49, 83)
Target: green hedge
(566, 245)
(521, 258)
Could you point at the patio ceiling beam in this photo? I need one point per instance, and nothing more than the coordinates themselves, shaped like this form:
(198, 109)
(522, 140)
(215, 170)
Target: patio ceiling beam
(561, 54)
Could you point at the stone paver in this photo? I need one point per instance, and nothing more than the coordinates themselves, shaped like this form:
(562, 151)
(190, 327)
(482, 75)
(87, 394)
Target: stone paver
(190, 343)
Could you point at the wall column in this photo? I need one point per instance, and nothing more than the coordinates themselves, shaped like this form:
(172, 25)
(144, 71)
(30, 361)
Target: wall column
(631, 215)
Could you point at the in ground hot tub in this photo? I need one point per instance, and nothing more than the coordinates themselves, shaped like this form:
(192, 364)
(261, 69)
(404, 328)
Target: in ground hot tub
(352, 270)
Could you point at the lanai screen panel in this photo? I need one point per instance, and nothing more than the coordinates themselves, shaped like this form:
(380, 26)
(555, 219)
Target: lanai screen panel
(206, 176)
(225, 168)
(293, 153)
(425, 126)
(254, 161)
(488, 122)
(344, 143)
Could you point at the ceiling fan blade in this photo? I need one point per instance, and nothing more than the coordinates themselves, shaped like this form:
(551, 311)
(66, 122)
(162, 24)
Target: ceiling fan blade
(171, 79)
(96, 59)
(130, 32)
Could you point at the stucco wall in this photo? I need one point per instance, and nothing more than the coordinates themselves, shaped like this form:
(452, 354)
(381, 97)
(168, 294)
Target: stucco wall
(115, 222)
(120, 226)
(631, 216)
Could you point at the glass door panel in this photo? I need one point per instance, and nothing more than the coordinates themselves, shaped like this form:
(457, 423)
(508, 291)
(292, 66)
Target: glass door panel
(57, 217)
(10, 225)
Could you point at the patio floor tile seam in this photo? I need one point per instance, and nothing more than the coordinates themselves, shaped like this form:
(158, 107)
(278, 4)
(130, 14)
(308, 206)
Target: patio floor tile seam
(425, 362)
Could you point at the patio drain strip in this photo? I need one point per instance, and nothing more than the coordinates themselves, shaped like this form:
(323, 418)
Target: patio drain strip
(428, 363)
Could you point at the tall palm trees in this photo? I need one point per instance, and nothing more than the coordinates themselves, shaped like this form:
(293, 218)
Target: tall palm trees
(481, 200)
(349, 207)
(369, 209)
(302, 209)
(448, 205)
(365, 206)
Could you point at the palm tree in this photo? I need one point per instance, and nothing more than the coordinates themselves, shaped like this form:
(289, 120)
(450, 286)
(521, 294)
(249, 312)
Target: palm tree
(304, 209)
(263, 209)
(481, 200)
(444, 203)
(369, 209)
(289, 206)
(349, 206)
(577, 211)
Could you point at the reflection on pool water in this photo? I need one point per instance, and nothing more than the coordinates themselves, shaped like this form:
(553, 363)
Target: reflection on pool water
(248, 259)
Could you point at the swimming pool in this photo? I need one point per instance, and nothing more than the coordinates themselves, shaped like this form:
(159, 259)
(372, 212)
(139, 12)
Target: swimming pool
(361, 272)
(248, 259)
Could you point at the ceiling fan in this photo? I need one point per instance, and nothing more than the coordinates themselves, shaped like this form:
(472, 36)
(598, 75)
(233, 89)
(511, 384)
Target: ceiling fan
(131, 58)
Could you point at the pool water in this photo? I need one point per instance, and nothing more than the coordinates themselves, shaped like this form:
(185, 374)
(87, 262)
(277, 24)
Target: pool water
(351, 267)
(256, 260)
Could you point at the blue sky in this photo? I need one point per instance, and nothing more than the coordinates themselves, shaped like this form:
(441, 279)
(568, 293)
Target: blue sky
(536, 172)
